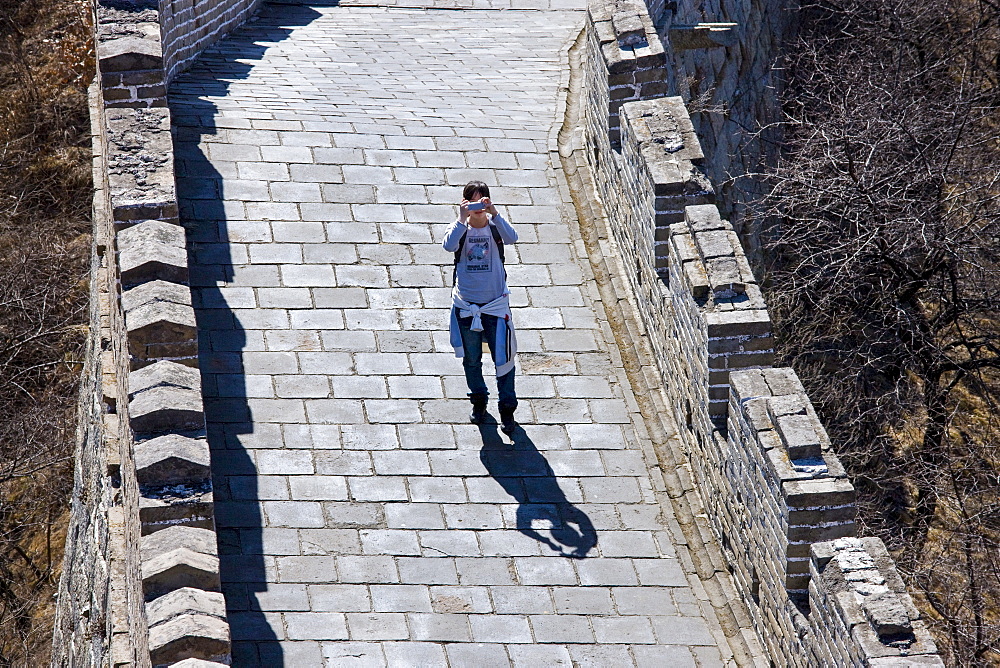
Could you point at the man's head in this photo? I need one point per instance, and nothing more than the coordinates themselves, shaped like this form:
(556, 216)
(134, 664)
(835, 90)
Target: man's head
(473, 192)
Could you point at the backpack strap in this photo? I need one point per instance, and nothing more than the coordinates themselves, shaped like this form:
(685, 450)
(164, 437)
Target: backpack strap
(461, 246)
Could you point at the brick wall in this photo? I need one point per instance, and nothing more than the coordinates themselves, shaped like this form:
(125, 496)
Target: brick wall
(188, 27)
(144, 44)
(775, 494)
(790, 492)
(141, 583)
(100, 616)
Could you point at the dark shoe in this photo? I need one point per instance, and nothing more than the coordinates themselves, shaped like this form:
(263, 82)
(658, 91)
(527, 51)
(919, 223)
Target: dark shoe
(507, 423)
(478, 408)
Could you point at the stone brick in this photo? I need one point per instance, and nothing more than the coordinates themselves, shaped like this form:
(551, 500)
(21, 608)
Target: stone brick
(178, 505)
(179, 557)
(152, 250)
(162, 409)
(172, 460)
(189, 636)
(130, 54)
(185, 601)
(799, 434)
(159, 323)
(163, 374)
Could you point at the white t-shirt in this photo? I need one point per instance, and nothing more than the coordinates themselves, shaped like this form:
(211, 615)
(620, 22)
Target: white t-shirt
(480, 275)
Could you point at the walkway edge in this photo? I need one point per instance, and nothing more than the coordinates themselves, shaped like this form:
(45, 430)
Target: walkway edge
(577, 189)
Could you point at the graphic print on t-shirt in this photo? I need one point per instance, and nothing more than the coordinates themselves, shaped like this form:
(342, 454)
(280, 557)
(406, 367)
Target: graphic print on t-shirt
(477, 254)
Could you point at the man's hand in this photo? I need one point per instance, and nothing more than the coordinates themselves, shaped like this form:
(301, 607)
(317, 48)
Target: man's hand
(463, 212)
(489, 206)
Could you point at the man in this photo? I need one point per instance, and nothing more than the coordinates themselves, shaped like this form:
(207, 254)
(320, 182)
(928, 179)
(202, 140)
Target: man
(481, 306)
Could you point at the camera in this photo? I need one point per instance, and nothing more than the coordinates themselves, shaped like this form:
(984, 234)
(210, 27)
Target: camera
(476, 206)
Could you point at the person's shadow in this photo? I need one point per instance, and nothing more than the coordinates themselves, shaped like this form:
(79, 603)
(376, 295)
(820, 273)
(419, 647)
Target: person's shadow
(526, 475)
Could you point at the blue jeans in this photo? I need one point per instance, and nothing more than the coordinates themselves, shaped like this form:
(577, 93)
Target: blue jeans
(472, 342)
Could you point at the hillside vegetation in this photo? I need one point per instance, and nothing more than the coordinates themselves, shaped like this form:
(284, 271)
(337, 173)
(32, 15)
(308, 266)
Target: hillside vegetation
(884, 279)
(46, 63)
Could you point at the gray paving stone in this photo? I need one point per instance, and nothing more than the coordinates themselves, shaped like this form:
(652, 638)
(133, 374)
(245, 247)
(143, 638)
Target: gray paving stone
(508, 544)
(607, 572)
(472, 516)
(390, 255)
(396, 411)
(527, 656)
(432, 571)
(437, 489)
(660, 572)
(302, 386)
(352, 654)
(352, 515)
(271, 541)
(284, 462)
(285, 597)
(485, 571)
(401, 598)
(414, 654)
(682, 631)
(315, 626)
(343, 463)
(561, 628)
(440, 627)
(505, 629)
(318, 488)
(307, 569)
(347, 193)
(302, 653)
(348, 341)
(367, 569)
(389, 542)
(303, 514)
(657, 656)
(414, 516)
(477, 654)
(401, 463)
(379, 489)
(332, 411)
(582, 600)
(598, 656)
(636, 630)
(339, 598)
(377, 626)
(450, 543)
(446, 599)
(360, 387)
(544, 571)
(329, 541)
(643, 600)
(368, 437)
(611, 490)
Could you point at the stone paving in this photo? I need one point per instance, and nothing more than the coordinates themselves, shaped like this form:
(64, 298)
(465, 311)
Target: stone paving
(362, 520)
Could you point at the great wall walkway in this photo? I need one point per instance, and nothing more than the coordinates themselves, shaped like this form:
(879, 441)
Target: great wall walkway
(362, 520)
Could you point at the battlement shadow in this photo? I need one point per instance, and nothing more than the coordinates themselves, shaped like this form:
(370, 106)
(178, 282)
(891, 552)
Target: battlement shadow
(222, 339)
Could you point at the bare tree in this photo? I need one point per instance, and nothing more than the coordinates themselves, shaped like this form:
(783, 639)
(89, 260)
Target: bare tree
(884, 277)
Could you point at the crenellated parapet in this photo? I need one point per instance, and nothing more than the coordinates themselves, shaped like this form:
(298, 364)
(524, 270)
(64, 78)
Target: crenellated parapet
(150, 593)
(772, 489)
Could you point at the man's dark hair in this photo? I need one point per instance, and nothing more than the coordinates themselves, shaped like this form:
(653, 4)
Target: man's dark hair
(473, 187)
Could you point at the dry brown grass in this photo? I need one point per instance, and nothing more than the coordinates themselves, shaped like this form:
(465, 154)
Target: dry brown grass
(46, 62)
